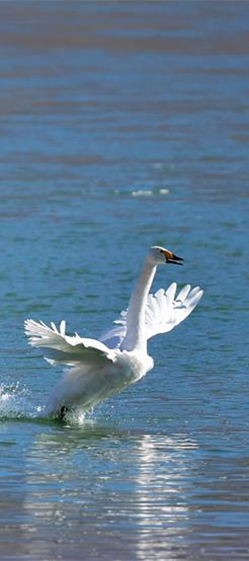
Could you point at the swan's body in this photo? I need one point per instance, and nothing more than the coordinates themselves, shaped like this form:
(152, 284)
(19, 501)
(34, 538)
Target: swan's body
(97, 369)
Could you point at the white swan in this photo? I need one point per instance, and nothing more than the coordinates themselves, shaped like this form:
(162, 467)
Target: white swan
(97, 369)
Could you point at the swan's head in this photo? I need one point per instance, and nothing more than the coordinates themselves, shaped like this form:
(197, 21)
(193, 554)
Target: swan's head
(159, 255)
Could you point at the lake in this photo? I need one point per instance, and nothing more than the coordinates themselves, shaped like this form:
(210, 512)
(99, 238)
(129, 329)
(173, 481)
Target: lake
(125, 125)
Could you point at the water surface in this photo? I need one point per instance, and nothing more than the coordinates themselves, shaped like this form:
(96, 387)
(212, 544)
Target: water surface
(125, 125)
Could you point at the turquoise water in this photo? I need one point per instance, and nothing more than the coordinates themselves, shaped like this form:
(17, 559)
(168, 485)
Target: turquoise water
(125, 125)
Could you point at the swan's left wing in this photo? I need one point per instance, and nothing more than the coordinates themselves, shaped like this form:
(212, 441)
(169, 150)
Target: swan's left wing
(164, 310)
(65, 349)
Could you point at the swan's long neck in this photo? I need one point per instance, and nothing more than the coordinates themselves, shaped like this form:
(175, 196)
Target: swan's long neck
(135, 337)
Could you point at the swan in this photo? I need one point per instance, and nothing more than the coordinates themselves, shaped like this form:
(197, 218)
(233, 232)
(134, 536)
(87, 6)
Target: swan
(97, 369)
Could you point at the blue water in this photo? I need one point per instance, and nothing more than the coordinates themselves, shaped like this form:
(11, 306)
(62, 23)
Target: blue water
(125, 125)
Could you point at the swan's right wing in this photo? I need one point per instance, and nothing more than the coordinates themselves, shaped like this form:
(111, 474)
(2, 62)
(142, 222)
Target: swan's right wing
(165, 309)
(114, 336)
(65, 349)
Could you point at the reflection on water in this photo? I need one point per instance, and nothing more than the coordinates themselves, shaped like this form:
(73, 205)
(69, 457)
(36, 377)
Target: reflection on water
(137, 496)
(132, 488)
(161, 496)
(120, 493)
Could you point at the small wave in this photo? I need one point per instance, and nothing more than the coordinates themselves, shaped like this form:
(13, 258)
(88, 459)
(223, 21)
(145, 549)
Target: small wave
(143, 192)
(149, 192)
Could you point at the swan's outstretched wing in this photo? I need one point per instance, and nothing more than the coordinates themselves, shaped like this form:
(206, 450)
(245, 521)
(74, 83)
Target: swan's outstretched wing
(114, 336)
(93, 371)
(164, 311)
(64, 349)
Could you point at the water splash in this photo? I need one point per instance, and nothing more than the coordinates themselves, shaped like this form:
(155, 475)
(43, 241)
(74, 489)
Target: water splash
(12, 401)
(75, 417)
(17, 402)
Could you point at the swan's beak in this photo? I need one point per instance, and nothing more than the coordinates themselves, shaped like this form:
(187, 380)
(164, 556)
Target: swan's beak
(172, 258)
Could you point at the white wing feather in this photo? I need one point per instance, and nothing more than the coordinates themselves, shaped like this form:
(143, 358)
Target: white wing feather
(164, 311)
(93, 370)
(114, 337)
(64, 349)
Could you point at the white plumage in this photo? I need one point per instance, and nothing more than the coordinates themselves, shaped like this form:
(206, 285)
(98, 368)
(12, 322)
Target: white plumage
(97, 369)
